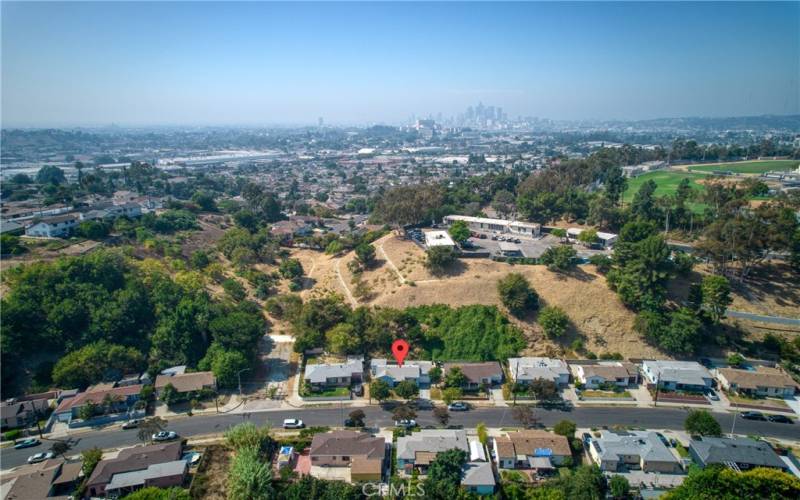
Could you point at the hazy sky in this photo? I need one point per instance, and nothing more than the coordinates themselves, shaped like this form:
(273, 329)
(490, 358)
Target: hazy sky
(270, 63)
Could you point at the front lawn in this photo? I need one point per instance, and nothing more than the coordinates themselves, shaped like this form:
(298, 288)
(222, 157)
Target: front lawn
(605, 394)
(327, 393)
(766, 402)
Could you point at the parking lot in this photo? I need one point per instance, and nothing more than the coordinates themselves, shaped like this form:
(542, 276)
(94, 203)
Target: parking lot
(529, 247)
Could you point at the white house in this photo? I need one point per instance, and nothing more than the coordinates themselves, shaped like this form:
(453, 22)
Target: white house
(53, 227)
(763, 381)
(594, 375)
(416, 371)
(607, 240)
(496, 225)
(525, 370)
(677, 375)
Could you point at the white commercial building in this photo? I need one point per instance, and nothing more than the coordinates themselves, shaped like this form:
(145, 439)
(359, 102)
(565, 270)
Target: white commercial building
(438, 239)
(496, 225)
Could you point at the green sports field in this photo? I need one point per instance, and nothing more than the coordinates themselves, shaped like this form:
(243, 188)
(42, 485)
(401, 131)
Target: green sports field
(667, 182)
(747, 167)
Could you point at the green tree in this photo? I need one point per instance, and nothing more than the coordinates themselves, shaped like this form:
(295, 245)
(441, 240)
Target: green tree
(553, 320)
(644, 203)
(435, 374)
(50, 174)
(234, 289)
(439, 259)
(169, 395)
(483, 433)
(682, 335)
(91, 458)
(716, 296)
(291, 269)
(565, 428)
(735, 360)
(559, 233)
(441, 414)
(459, 231)
(341, 339)
(406, 389)
(517, 295)
(379, 390)
(249, 476)
(717, 482)
(588, 237)
(455, 378)
(451, 394)
(444, 474)
(619, 486)
(702, 423)
(248, 435)
(226, 365)
(403, 412)
(357, 416)
(559, 258)
(365, 253)
(156, 493)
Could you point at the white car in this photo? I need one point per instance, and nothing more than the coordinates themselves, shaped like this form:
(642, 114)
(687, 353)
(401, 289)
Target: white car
(164, 436)
(293, 423)
(40, 457)
(405, 423)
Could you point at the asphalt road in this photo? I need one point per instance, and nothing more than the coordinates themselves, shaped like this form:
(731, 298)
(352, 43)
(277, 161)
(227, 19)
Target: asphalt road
(764, 319)
(654, 418)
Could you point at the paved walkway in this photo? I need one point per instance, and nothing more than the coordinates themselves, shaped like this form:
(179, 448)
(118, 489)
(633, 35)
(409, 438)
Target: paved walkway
(778, 320)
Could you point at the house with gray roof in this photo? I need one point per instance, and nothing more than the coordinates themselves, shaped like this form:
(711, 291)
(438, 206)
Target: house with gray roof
(335, 374)
(392, 374)
(633, 450)
(419, 449)
(677, 375)
(163, 475)
(478, 478)
(736, 453)
(526, 370)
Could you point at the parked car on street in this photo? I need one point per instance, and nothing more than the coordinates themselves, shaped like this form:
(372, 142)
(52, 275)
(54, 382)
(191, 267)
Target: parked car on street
(131, 424)
(458, 406)
(405, 423)
(712, 395)
(780, 419)
(353, 423)
(26, 443)
(164, 436)
(293, 423)
(358, 390)
(40, 457)
(753, 415)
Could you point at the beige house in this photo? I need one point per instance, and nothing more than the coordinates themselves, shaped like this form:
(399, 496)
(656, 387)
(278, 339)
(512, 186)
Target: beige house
(763, 381)
(633, 450)
(619, 373)
(362, 453)
(527, 449)
(186, 382)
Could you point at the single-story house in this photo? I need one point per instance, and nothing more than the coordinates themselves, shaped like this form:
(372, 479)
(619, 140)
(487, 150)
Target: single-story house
(363, 453)
(186, 382)
(335, 374)
(478, 478)
(525, 370)
(607, 240)
(677, 375)
(619, 373)
(738, 453)
(438, 239)
(53, 479)
(488, 373)
(138, 458)
(517, 450)
(418, 450)
(123, 400)
(162, 475)
(57, 226)
(633, 450)
(392, 374)
(11, 227)
(15, 413)
(763, 381)
(496, 225)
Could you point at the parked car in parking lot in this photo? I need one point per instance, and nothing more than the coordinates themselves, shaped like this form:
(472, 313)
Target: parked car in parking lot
(458, 406)
(164, 436)
(26, 443)
(40, 457)
(753, 415)
(293, 423)
(780, 419)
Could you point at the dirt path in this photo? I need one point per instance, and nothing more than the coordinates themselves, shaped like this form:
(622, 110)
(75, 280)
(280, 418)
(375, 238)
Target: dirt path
(344, 285)
(391, 264)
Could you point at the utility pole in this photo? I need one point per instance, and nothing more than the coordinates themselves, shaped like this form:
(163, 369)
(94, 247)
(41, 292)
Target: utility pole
(658, 385)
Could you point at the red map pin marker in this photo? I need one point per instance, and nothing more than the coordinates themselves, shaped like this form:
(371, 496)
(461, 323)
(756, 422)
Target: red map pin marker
(400, 350)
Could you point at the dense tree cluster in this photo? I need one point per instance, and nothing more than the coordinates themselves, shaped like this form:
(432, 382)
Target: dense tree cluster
(103, 313)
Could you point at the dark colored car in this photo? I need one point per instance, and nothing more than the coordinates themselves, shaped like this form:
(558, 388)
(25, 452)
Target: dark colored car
(353, 423)
(780, 419)
(753, 415)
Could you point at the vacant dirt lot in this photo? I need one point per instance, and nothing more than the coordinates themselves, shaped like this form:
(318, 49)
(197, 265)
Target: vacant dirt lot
(597, 316)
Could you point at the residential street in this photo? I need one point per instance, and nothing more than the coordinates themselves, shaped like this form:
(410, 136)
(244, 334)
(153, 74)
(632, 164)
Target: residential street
(187, 427)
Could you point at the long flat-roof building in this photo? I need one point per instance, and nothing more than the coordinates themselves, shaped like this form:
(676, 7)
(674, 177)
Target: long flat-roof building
(496, 225)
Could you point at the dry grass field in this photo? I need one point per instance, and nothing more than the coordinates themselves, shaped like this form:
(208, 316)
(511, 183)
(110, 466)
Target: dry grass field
(597, 317)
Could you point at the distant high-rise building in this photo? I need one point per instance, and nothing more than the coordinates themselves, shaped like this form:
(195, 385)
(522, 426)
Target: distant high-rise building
(320, 121)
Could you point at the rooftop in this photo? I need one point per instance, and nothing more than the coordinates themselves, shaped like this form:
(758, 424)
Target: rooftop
(713, 450)
(431, 441)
